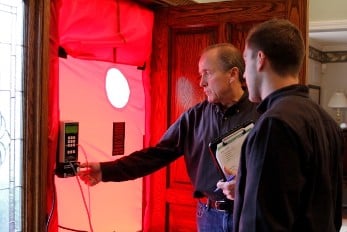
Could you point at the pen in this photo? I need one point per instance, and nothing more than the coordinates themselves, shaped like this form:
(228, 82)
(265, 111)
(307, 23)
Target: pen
(230, 178)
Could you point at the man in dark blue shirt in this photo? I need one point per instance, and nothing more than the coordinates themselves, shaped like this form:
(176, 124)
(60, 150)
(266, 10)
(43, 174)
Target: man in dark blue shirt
(290, 173)
(221, 67)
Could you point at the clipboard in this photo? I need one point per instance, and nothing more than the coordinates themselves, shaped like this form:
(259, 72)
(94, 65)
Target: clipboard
(226, 150)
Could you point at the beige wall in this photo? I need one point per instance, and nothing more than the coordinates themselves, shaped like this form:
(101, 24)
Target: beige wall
(330, 77)
(326, 10)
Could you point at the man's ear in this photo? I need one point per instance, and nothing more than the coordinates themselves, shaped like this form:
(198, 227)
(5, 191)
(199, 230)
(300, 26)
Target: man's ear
(234, 74)
(260, 60)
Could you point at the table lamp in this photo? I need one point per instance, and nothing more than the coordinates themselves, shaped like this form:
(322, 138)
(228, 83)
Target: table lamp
(338, 101)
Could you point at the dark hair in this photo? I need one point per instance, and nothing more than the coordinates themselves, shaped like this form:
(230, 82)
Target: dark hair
(229, 57)
(282, 42)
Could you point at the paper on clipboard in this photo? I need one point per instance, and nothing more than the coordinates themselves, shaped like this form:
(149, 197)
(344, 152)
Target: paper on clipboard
(227, 150)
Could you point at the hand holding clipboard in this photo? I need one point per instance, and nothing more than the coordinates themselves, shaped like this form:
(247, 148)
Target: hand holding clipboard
(226, 150)
(228, 180)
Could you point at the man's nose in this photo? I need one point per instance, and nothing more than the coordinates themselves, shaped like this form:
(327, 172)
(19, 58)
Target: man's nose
(202, 82)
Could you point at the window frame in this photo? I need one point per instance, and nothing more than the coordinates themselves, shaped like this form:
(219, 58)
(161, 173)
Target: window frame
(35, 113)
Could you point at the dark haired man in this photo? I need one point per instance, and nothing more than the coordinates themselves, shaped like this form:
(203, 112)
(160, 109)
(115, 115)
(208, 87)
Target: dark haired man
(290, 175)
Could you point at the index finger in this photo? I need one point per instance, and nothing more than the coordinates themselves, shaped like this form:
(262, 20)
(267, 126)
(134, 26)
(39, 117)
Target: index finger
(230, 171)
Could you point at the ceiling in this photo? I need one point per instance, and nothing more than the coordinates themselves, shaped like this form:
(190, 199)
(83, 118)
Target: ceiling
(327, 21)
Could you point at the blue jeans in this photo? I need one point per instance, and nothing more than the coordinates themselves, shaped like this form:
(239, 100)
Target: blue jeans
(212, 220)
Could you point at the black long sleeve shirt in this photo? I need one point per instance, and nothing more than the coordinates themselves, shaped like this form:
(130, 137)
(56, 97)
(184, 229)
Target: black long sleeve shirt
(190, 136)
(290, 173)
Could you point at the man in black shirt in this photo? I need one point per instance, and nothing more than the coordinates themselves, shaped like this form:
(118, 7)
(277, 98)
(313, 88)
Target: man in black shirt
(221, 67)
(290, 174)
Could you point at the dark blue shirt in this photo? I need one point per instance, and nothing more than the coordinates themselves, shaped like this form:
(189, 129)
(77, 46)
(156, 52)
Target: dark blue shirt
(190, 136)
(290, 173)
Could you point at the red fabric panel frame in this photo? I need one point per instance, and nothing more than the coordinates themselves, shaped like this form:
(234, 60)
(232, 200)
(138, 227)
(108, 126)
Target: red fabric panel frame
(92, 29)
(53, 116)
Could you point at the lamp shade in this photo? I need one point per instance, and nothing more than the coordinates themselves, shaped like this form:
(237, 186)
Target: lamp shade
(338, 100)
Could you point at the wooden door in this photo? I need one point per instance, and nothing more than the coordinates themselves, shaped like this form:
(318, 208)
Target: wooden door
(180, 33)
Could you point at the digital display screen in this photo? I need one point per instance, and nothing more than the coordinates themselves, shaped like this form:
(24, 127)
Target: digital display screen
(71, 128)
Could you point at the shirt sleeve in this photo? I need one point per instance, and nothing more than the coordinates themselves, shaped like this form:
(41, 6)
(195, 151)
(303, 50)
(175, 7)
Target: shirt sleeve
(146, 161)
(138, 164)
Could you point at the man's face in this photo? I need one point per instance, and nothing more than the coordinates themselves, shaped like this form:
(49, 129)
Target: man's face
(251, 75)
(214, 80)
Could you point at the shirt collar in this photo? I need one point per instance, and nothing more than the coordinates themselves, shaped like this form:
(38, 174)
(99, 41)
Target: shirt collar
(235, 107)
(297, 89)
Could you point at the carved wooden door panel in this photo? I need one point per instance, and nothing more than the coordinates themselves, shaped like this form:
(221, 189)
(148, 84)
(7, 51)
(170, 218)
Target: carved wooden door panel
(180, 34)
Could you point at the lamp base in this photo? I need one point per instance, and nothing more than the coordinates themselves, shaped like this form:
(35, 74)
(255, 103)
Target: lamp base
(338, 115)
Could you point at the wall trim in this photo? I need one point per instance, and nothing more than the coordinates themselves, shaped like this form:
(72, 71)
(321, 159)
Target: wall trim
(327, 57)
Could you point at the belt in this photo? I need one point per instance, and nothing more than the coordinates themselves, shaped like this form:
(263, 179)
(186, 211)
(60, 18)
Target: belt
(220, 205)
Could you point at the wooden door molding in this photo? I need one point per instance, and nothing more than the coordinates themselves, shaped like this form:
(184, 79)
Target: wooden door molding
(35, 111)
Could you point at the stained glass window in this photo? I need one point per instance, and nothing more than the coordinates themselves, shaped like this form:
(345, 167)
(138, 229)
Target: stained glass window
(11, 126)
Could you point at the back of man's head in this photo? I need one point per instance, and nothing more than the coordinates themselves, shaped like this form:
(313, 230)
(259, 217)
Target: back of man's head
(282, 42)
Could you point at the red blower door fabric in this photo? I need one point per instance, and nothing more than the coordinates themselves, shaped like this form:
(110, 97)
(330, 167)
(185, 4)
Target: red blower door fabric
(106, 30)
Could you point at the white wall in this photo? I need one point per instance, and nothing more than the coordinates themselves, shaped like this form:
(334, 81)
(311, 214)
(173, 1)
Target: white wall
(331, 77)
(314, 72)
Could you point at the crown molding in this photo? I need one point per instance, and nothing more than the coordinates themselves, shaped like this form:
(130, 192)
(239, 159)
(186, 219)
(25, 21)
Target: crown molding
(316, 45)
(331, 25)
(327, 57)
(335, 48)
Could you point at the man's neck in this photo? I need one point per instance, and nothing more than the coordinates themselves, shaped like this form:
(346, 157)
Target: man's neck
(278, 83)
(234, 98)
